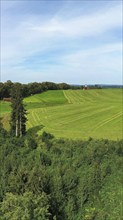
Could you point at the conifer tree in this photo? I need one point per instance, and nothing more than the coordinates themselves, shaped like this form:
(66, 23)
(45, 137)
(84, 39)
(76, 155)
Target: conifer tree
(18, 115)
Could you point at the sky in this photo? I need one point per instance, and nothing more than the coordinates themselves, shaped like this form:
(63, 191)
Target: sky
(77, 42)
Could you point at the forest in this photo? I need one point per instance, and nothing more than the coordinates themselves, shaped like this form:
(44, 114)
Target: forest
(44, 178)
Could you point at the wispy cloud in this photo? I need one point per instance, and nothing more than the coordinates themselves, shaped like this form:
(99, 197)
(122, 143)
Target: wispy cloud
(91, 25)
(34, 37)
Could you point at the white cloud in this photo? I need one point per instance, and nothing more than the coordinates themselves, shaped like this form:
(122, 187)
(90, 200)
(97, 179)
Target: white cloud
(91, 25)
(31, 34)
(80, 55)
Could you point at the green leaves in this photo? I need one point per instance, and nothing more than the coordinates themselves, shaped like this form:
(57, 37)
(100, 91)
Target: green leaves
(18, 114)
(70, 180)
(25, 207)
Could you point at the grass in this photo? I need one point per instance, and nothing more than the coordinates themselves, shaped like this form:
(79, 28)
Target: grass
(76, 113)
(4, 107)
(49, 98)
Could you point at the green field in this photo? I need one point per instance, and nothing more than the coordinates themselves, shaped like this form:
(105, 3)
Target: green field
(75, 113)
(45, 99)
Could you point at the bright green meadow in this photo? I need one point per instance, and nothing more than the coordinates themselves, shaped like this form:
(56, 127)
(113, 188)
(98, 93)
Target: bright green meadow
(76, 114)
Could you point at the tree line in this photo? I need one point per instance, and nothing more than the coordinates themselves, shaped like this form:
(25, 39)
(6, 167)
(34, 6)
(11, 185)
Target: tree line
(37, 87)
(32, 88)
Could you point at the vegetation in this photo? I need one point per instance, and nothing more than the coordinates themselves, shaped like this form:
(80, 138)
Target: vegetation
(45, 99)
(55, 179)
(74, 113)
(44, 178)
(18, 114)
(32, 88)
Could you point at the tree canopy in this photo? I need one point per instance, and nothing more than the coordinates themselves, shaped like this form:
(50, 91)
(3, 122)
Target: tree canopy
(55, 179)
(18, 114)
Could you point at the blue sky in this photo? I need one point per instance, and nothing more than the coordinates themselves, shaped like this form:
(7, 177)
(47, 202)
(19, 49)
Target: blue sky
(77, 42)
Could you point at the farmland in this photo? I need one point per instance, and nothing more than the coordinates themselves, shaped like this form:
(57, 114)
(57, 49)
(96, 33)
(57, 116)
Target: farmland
(74, 113)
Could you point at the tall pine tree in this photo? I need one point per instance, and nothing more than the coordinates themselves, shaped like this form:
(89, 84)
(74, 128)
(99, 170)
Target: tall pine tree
(18, 115)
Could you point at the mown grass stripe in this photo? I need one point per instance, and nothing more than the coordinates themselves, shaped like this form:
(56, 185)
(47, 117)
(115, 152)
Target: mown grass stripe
(76, 113)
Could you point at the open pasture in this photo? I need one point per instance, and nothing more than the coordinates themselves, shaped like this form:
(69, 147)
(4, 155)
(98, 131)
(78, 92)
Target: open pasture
(49, 98)
(77, 113)
(92, 113)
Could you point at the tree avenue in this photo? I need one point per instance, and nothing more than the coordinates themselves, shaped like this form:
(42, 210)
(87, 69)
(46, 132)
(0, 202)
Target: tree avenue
(18, 115)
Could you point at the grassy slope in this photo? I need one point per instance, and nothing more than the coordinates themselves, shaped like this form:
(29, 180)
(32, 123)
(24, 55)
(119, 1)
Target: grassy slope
(95, 113)
(4, 107)
(49, 98)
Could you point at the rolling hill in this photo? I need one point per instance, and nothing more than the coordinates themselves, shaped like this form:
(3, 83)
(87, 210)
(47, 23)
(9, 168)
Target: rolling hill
(75, 113)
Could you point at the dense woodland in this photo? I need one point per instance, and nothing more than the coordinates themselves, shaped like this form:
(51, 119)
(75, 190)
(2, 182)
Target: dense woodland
(47, 178)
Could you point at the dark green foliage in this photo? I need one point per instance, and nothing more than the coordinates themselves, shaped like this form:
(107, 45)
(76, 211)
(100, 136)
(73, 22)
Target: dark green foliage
(18, 114)
(5, 89)
(71, 180)
(64, 86)
(32, 143)
(3, 132)
(46, 136)
(45, 160)
(120, 149)
(33, 88)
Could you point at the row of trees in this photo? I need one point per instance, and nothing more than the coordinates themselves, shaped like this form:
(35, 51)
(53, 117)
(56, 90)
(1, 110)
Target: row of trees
(32, 88)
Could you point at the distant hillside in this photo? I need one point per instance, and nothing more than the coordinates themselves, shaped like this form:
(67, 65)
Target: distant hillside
(99, 85)
(110, 86)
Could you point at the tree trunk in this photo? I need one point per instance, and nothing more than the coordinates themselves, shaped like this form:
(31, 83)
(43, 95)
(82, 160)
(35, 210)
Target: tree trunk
(20, 126)
(16, 128)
